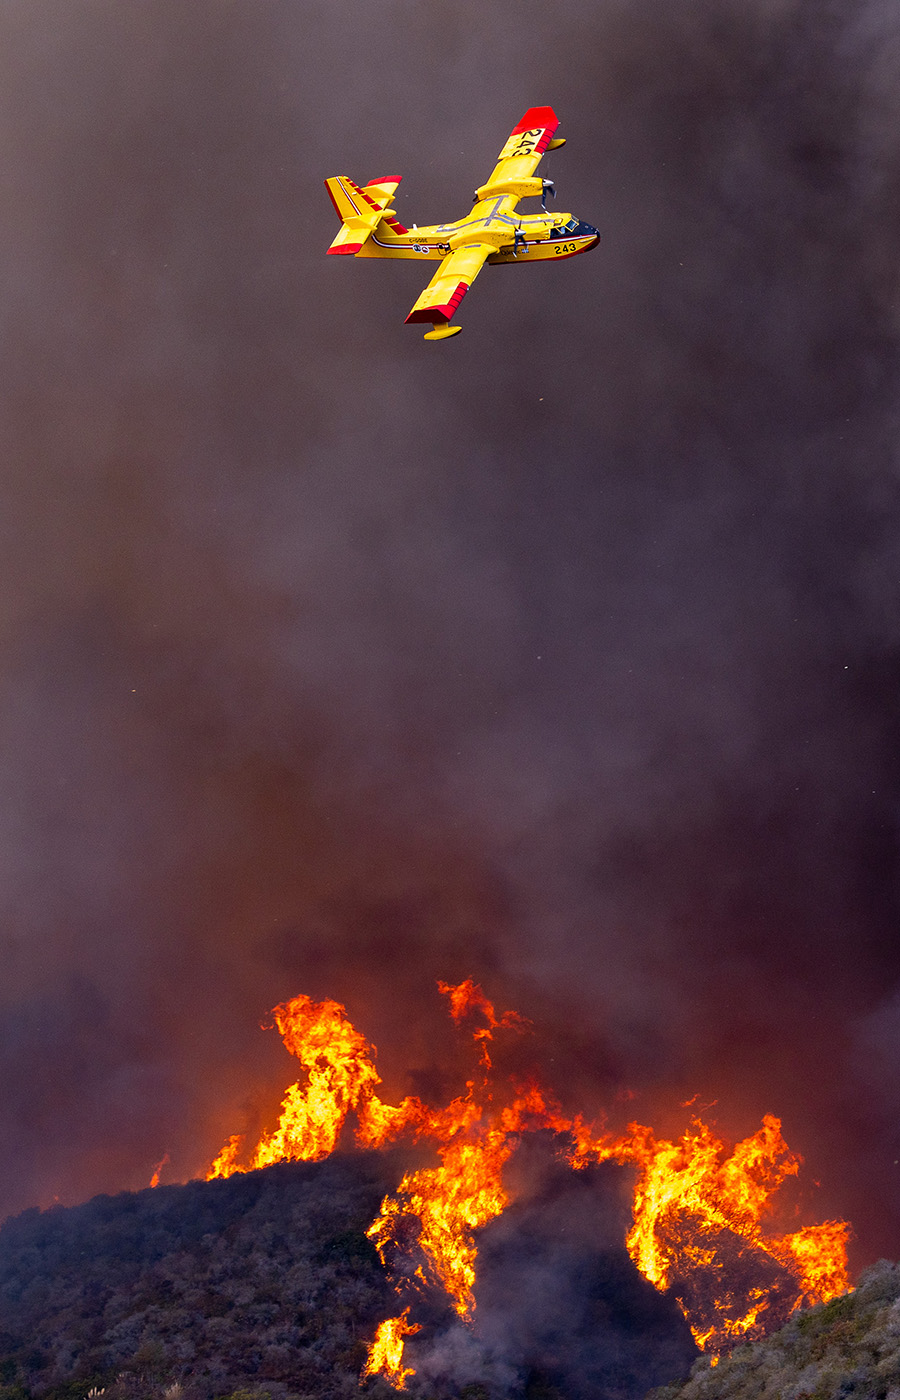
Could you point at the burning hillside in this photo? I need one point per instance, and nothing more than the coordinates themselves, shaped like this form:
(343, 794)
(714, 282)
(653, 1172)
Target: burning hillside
(702, 1213)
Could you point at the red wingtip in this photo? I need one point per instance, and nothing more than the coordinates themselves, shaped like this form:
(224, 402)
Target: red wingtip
(537, 116)
(440, 313)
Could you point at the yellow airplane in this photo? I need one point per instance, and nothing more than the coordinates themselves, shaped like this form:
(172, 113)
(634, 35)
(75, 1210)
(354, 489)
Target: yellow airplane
(493, 232)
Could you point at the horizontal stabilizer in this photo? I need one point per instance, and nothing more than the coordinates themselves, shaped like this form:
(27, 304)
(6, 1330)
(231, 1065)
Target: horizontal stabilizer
(360, 209)
(350, 239)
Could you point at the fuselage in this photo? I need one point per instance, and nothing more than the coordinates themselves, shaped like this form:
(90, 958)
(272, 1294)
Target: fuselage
(513, 237)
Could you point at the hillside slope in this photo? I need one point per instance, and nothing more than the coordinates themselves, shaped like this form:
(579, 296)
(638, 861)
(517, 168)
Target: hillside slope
(225, 1285)
(265, 1284)
(848, 1349)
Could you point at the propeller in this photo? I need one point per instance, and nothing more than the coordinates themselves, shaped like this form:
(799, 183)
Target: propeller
(548, 187)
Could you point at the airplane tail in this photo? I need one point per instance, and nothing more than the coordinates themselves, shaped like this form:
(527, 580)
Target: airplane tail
(360, 209)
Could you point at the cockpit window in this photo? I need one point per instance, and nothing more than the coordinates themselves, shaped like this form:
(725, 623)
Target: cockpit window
(572, 225)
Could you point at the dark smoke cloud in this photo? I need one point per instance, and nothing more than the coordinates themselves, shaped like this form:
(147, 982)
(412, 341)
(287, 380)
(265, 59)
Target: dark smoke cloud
(564, 655)
(561, 1308)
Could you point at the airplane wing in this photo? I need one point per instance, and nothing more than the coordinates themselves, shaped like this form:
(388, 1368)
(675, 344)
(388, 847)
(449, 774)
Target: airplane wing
(522, 153)
(511, 177)
(449, 285)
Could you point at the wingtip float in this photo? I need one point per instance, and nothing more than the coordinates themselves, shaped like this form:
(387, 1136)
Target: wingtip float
(492, 232)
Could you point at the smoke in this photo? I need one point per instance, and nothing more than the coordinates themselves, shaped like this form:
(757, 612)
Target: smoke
(563, 655)
(561, 1309)
(560, 1306)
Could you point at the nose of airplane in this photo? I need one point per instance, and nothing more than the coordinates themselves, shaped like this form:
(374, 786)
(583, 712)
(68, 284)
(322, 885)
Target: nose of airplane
(588, 231)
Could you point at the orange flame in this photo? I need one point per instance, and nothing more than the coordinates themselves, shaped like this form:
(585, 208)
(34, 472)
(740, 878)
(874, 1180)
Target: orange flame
(340, 1075)
(451, 1202)
(690, 1192)
(154, 1180)
(697, 1206)
(817, 1254)
(386, 1353)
